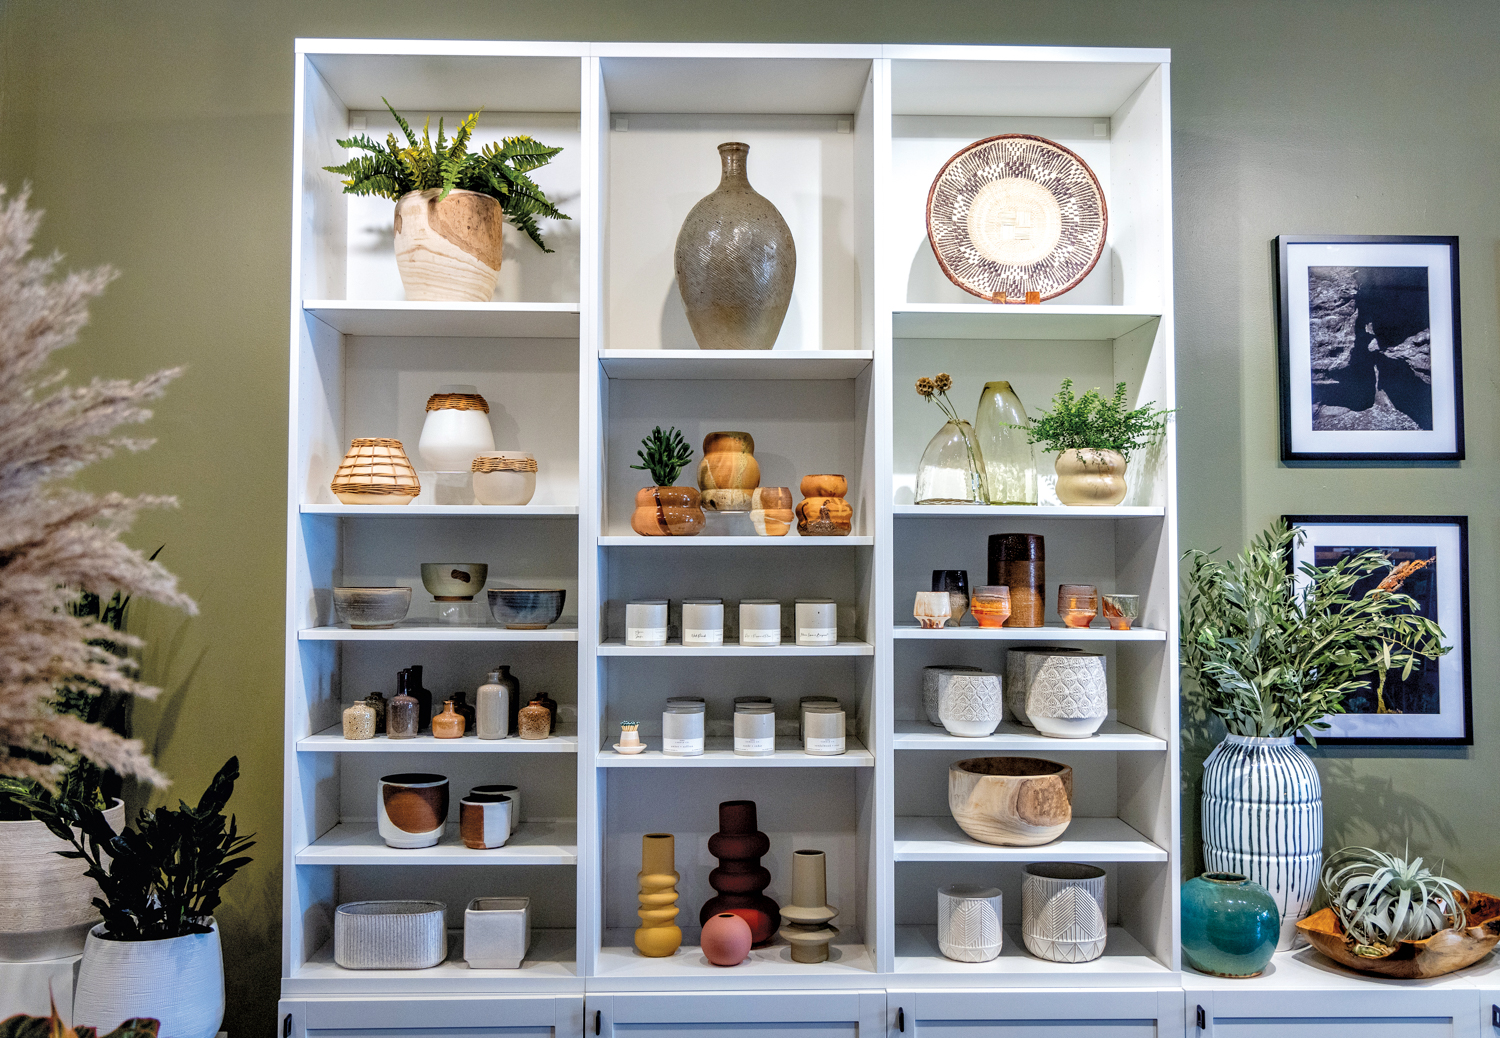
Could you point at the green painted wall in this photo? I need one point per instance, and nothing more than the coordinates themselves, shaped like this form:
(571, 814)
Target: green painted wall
(158, 137)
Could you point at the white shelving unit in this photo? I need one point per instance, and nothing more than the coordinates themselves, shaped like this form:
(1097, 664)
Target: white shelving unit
(580, 355)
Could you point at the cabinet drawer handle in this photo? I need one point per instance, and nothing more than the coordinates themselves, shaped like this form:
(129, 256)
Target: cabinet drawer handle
(900, 1019)
(286, 1027)
(598, 1020)
(1202, 1019)
(1495, 1015)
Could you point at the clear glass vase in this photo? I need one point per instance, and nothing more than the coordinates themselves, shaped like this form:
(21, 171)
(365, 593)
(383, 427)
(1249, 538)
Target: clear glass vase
(952, 469)
(1009, 462)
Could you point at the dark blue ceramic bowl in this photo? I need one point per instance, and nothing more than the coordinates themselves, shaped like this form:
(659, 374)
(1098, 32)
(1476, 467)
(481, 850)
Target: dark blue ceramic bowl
(526, 609)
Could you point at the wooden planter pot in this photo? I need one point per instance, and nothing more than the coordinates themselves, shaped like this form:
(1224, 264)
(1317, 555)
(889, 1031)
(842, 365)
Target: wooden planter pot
(1443, 952)
(448, 250)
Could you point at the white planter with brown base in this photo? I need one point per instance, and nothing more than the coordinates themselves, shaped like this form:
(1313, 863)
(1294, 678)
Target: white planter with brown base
(1090, 477)
(448, 250)
(46, 900)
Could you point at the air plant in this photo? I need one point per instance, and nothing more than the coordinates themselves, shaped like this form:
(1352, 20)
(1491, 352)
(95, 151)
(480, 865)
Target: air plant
(1382, 900)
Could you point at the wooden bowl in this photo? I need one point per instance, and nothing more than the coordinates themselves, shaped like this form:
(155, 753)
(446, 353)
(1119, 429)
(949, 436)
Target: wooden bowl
(1443, 952)
(1011, 801)
(824, 485)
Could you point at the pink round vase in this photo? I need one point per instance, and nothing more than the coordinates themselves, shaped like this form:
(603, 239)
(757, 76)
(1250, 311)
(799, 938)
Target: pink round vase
(726, 939)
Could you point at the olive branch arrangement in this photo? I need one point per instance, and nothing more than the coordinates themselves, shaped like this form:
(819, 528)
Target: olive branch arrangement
(1272, 652)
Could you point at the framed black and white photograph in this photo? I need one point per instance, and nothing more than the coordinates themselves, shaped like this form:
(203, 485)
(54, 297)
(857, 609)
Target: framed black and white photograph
(1370, 361)
(1432, 706)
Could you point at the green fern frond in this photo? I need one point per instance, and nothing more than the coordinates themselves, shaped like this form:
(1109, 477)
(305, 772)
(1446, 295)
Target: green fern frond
(411, 138)
(524, 153)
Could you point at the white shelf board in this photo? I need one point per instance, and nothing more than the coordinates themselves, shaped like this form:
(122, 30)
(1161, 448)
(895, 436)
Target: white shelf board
(1086, 839)
(1052, 632)
(544, 841)
(735, 364)
(331, 740)
(433, 631)
(447, 320)
(550, 965)
(1027, 512)
(791, 540)
(620, 964)
(1006, 321)
(616, 647)
(719, 753)
(1010, 736)
(428, 511)
(1125, 963)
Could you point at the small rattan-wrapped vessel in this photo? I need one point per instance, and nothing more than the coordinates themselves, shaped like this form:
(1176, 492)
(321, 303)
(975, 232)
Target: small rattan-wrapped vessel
(376, 471)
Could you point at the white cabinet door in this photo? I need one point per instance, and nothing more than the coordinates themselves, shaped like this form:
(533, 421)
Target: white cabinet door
(713, 1014)
(433, 1016)
(1374, 1009)
(1036, 1013)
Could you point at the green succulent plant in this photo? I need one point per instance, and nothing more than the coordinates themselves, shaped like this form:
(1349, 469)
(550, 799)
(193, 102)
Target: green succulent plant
(664, 455)
(1090, 422)
(499, 171)
(1382, 900)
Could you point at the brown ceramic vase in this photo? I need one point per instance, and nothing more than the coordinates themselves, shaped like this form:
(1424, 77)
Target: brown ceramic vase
(823, 511)
(728, 472)
(667, 512)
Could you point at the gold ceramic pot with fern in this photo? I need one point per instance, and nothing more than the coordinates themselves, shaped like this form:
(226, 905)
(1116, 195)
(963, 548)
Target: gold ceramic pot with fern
(448, 249)
(1090, 476)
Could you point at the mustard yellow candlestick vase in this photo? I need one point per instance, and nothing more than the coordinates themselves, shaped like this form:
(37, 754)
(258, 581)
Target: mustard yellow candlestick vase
(659, 936)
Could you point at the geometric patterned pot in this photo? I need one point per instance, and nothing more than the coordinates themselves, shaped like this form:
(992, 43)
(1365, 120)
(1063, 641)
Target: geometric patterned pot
(1067, 696)
(1063, 911)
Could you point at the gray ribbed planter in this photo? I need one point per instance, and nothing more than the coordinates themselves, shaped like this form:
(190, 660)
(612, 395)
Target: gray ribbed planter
(1263, 818)
(46, 901)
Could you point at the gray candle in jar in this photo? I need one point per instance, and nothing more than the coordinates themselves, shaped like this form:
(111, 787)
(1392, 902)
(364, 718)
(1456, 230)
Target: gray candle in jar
(682, 728)
(802, 712)
(817, 621)
(702, 621)
(760, 622)
(824, 727)
(646, 622)
(754, 730)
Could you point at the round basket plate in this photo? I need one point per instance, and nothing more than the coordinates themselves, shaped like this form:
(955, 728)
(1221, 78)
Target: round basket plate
(1015, 214)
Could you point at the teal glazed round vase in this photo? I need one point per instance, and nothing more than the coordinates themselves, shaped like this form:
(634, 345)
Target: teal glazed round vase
(1229, 925)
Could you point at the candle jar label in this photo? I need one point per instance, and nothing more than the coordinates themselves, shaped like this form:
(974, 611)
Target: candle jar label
(704, 637)
(750, 636)
(682, 747)
(767, 745)
(645, 636)
(817, 636)
(833, 746)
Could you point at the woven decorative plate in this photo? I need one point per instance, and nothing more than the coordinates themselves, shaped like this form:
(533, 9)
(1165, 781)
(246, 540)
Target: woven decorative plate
(1015, 214)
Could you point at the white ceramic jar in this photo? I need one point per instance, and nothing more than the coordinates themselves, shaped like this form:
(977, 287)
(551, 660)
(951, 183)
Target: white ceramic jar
(754, 729)
(817, 621)
(646, 622)
(682, 729)
(1067, 696)
(504, 477)
(492, 708)
(456, 430)
(970, 922)
(823, 730)
(702, 621)
(969, 705)
(760, 622)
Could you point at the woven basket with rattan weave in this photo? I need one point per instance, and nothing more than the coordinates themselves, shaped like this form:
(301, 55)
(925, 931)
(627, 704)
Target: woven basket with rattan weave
(489, 464)
(376, 466)
(457, 402)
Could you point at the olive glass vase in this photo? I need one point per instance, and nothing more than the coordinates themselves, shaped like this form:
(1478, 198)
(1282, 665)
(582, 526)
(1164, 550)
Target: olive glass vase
(952, 468)
(1009, 461)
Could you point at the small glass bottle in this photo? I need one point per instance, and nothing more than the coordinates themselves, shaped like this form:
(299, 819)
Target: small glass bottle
(449, 724)
(535, 720)
(464, 709)
(1009, 460)
(378, 704)
(492, 715)
(359, 721)
(754, 729)
(401, 716)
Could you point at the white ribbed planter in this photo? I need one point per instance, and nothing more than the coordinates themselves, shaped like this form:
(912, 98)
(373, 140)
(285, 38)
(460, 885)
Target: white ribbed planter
(178, 981)
(46, 900)
(1263, 818)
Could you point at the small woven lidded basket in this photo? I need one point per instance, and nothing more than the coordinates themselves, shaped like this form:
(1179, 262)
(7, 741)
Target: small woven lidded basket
(376, 471)
(504, 477)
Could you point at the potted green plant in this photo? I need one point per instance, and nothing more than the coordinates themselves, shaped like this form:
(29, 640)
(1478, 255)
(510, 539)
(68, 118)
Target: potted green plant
(1390, 915)
(52, 1026)
(1094, 439)
(157, 953)
(1271, 652)
(664, 509)
(451, 203)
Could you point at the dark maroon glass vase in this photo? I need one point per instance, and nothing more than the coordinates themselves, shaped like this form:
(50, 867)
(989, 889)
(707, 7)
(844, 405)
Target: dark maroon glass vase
(741, 879)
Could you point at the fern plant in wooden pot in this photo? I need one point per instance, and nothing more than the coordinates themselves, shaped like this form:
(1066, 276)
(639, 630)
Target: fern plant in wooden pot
(1272, 651)
(451, 203)
(664, 509)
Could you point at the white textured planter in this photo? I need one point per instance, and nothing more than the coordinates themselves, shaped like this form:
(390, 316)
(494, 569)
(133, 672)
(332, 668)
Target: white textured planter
(178, 981)
(448, 250)
(1263, 819)
(46, 901)
(969, 705)
(1067, 696)
(970, 922)
(1063, 909)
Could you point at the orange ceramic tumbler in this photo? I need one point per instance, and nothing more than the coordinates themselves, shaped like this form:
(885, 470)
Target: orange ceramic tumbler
(1077, 604)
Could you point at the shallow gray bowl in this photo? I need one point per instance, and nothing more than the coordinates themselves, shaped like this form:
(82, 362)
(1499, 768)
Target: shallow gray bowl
(363, 607)
(527, 609)
(454, 581)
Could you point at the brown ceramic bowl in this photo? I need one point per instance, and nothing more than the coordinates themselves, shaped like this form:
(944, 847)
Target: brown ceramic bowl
(824, 485)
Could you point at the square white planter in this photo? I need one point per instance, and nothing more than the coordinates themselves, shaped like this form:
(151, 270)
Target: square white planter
(497, 932)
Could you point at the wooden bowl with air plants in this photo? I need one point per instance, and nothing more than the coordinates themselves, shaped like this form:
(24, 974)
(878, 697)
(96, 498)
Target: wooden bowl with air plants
(1443, 928)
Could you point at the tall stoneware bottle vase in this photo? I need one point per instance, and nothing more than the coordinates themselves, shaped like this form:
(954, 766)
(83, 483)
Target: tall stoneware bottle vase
(658, 935)
(1263, 819)
(735, 262)
(741, 879)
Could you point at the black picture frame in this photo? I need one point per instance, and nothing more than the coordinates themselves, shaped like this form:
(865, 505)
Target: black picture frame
(1449, 590)
(1302, 440)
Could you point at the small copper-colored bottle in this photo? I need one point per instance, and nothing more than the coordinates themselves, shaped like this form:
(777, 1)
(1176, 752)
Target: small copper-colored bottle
(401, 716)
(449, 724)
(535, 720)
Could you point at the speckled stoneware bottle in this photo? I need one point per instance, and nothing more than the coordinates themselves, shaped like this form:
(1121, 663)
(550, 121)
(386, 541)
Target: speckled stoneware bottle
(735, 262)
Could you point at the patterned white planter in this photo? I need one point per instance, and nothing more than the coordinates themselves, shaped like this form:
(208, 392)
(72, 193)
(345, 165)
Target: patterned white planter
(969, 922)
(1263, 818)
(1063, 911)
(969, 705)
(178, 981)
(1067, 696)
(930, 677)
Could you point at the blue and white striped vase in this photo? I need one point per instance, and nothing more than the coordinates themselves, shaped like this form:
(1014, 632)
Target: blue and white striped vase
(1263, 818)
